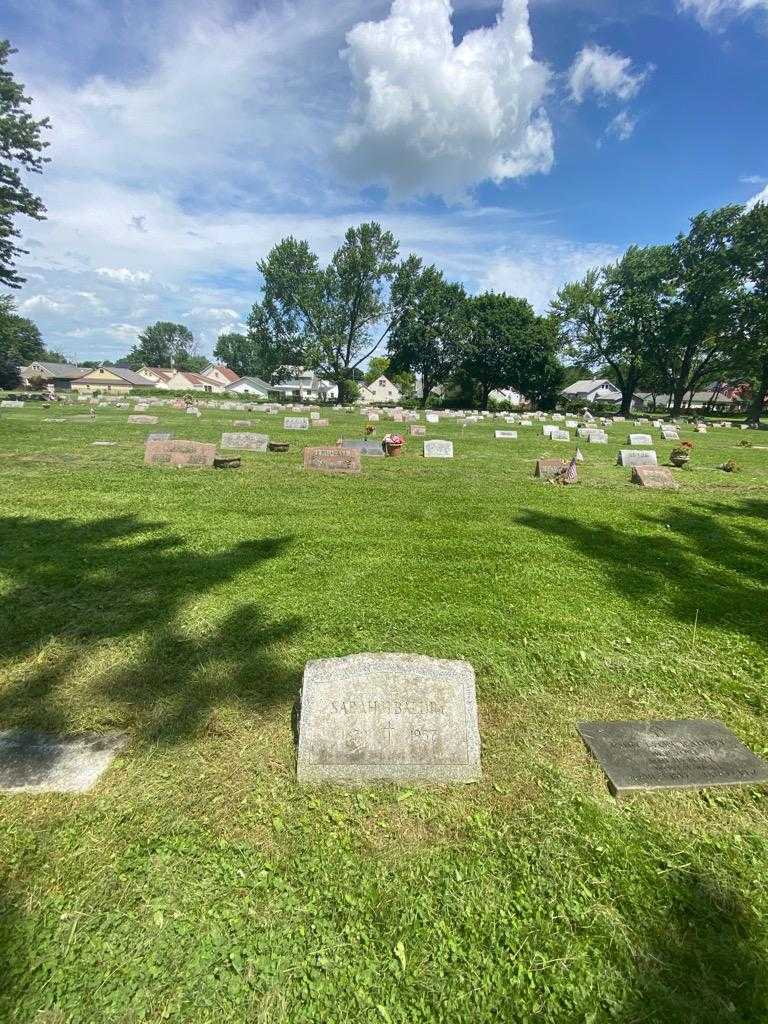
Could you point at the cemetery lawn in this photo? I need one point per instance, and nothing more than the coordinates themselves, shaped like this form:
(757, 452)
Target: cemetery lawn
(198, 883)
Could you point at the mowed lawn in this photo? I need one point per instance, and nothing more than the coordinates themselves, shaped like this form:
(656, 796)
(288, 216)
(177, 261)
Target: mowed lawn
(198, 883)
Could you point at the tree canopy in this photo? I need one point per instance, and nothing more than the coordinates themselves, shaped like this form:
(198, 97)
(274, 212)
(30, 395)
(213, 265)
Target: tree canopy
(20, 343)
(166, 344)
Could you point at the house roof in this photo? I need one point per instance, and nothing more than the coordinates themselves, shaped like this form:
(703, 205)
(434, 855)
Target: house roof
(198, 378)
(586, 387)
(164, 372)
(67, 371)
(224, 371)
(256, 381)
(129, 376)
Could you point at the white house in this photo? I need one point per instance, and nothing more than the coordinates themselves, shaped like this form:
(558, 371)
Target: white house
(158, 375)
(508, 395)
(250, 386)
(305, 386)
(592, 391)
(380, 390)
(221, 373)
(185, 380)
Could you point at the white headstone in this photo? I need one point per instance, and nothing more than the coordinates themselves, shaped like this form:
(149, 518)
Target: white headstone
(632, 457)
(438, 449)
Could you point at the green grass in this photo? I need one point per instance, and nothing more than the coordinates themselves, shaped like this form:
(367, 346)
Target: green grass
(198, 883)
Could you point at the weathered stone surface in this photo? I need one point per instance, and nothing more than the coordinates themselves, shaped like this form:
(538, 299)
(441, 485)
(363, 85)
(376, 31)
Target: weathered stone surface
(597, 437)
(11, 405)
(179, 453)
(658, 477)
(631, 457)
(547, 469)
(670, 434)
(332, 460)
(548, 429)
(160, 436)
(432, 417)
(241, 423)
(318, 422)
(34, 762)
(417, 430)
(560, 435)
(438, 449)
(246, 442)
(142, 419)
(676, 754)
(295, 423)
(640, 439)
(396, 717)
(314, 415)
(370, 449)
(193, 411)
(506, 435)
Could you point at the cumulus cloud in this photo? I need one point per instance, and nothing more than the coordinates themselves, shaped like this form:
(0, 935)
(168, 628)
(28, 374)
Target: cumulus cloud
(37, 303)
(711, 13)
(761, 197)
(604, 73)
(123, 275)
(430, 116)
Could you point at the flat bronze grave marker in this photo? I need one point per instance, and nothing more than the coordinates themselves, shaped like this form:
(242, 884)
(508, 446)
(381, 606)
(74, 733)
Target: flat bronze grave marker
(675, 754)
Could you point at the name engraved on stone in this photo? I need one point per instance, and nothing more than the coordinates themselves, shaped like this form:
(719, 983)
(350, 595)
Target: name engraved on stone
(332, 460)
(245, 441)
(631, 457)
(295, 423)
(370, 449)
(675, 754)
(547, 469)
(655, 477)
(397, 717)
(640, 439)
(438, 449)
(142, 419)
(506, 435)
(179, 453)
(417, 430)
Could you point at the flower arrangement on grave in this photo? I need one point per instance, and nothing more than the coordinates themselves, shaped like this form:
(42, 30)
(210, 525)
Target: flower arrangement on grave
(681, 455)
(369, 429)
(393, 444)
(745, 443)
(730, 466)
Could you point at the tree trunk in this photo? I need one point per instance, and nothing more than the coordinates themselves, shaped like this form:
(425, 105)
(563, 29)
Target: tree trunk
(678, 394)
(628, 392)
(485, 390)
(755, 411)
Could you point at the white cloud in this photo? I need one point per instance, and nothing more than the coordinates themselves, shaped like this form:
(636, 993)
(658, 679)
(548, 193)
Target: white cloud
(605, 74)
(711, 13)
(42, 302)
(123, 275)
(753, 179)
(433, 117)
(538, 273)
(622, 126)
(761, 197)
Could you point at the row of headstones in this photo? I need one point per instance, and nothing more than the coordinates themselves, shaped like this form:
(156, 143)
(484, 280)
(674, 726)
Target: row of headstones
(411, 719)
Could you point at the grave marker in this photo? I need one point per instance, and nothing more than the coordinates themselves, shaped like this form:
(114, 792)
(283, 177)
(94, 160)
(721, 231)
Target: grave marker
(179, 453)
(656, 477)
(164, 436)
(395, 717)
(640, 439)
(245, 441)
(141, 419)
(506, 435)
(371, 449)
(417, 430)
(35, 762)
(547, 469)
(332, 460)
(678, 754)
(438, 449)
(295, 423)
(632, 457)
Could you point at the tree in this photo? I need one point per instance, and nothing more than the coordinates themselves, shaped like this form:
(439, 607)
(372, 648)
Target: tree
(750, 256)
(165, 344)
(378, 367)
(21, 148)
(698, 335)
(20, 343)
(433, 328)
(238, 352)
(331, 318)
(508, 345)
(614, 317)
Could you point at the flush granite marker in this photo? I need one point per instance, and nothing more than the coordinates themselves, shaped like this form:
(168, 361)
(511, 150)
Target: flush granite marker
(676, 754)
(389, 717)
(35, 762)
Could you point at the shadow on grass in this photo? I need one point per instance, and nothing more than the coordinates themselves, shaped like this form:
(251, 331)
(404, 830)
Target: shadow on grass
(703, 563)
(118, 580)
(703, 964)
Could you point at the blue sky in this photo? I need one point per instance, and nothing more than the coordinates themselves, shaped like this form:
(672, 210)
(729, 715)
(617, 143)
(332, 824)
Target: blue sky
(514, 144)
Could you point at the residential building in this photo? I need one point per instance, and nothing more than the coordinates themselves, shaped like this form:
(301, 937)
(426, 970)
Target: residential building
(159, 375)
(508, 395)
(186, 380)
(382, 390)
(305, 386)
(60, 375)
(112, 379)
(251, 386)
(592, 391)
(221, 373)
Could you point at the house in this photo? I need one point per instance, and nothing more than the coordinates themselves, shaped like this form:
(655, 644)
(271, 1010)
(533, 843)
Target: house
(113, 379)
(221, 373)
(186, 380)
(159, 375)
(381, 390)
(589, 391)
(250, 386)
(60, 375)
(305, 386)
(508, 395)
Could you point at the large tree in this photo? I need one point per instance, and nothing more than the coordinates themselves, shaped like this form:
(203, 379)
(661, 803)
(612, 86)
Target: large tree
(20, 343)
(615, 316)
(240, 353)
(21, 149)
(332, 318)
(750, 255)
(508, 345)
(431, 331)
(697, 340)
(166, 344)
